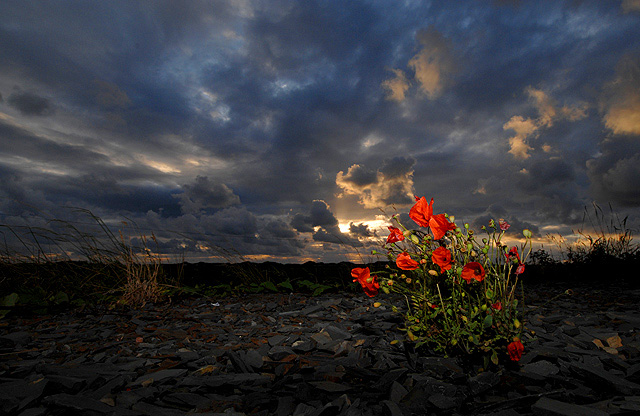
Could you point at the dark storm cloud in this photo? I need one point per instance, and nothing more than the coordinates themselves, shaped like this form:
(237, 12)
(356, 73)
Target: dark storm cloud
(361, 230)
(262, 126)
(30, 104)
(320, 216)
(391, 184)
(206, 194)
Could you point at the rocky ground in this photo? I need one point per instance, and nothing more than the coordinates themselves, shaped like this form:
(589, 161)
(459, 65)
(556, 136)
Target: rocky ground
(330, 355)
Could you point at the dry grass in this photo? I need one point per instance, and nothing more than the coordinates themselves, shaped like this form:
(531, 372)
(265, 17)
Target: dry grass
(61, 257)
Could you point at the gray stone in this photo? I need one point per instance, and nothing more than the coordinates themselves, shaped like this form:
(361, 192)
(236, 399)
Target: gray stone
(543, 368)
(397, 392)
(160, 376)
(483, 382)
(85, 404)
(188, 400)
(336, 333)
(19, 338)
(602, 377)
(390, 408)
(330, 386)
(549, 407)
(303, 345)
(286, 406)
(153, 410)
(253, 359)
(278, 353)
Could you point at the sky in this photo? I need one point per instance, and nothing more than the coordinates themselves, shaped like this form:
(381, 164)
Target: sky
(291, 131)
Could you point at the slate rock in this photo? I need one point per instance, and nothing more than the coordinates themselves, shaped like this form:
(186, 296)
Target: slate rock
(601, 377)
(543, 368)
(550, 407)
(336, 333)
(483, 382)
(443, 402)
(390, 408)
(18, 338)
(34, 411)
(160, 376)
(82, 403)
(278, 352)
(187, 400)
(303, 345)
(253, 359)
(397, 392)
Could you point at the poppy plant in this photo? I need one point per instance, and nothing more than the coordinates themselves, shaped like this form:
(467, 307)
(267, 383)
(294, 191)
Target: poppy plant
(429, 266)
(442, 257)
(515, 349)
(422, 211)
(395, 235)
(473, 270)
(405, 262)
(368, 283)
(440, 225)
(513, 254)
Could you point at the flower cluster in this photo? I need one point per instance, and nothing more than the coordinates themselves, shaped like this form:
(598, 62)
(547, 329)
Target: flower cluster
(460, 291)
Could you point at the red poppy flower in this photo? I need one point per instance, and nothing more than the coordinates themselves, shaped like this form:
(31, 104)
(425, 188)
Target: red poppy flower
(473, 270)
(504, 226)
(520, 269)
(513, 253)
(368, 283)
(405, 262)
(395, 235)
(442, 257)
(440, 225)
(515, 350)
(422, 211)
(497, 306)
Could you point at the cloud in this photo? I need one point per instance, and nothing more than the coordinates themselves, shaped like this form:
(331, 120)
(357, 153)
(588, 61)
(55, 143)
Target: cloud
(109, 96)
(433, 68)
(524, 128)
(361, 230)
(204, 194)
(615, 171)
(30, 104)
(548, 113)
(621, 98)
(629, 6)
(335, 236)
(434, 65)
(320, 216)
(391, 184)
(397, 87)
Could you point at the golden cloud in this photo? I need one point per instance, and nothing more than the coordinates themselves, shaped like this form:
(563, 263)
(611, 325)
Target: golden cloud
(391, 184)
(397, 87)
(621, 99)
(548, 113)
(433, 68)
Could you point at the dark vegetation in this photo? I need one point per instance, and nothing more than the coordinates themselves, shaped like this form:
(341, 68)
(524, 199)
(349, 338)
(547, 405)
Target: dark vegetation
(121, 270)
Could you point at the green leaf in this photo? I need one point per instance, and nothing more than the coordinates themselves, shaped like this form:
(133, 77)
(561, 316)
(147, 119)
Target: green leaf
(269, 285)
(9, 300)
(60, 298)
(286, 284)
(488, 321)
(494, 357)
(490, 294)
(319, 290)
